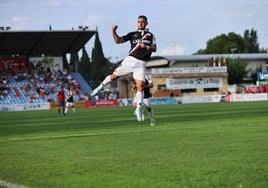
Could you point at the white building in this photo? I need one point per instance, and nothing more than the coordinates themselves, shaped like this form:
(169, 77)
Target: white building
(192, 75)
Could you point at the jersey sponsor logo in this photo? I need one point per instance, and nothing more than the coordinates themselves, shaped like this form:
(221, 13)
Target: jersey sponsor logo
(141, 40)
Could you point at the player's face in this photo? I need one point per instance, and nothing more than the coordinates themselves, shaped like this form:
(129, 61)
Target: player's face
(142, 23)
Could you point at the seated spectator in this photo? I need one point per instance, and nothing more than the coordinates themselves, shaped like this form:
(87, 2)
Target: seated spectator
(16, 77)
(52, 88)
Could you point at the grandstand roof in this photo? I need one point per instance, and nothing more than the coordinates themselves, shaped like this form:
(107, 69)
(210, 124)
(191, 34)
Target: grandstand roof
(157, 61)
(43, 42)
(205, 57)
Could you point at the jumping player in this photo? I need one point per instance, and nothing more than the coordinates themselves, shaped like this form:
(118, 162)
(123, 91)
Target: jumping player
(142, 45)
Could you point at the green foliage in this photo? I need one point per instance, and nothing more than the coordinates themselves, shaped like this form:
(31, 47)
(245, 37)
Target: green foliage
(85, 63)
(100, 67)
(201, 51)
(236, 69)
(65, 62)
(74, 58)
(191, 145)
(223, 43)
(251, 44)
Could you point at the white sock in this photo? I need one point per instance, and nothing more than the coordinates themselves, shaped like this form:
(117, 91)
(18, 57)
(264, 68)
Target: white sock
(106, 80)
(152, 114)
(139, 98)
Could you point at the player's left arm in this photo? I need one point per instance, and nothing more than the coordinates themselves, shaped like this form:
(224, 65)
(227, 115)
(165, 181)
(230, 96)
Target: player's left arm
(151, 47)
(150, 85)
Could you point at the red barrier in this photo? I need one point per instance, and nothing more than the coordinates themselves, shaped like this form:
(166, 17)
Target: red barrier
(106, 103)
(100, 103)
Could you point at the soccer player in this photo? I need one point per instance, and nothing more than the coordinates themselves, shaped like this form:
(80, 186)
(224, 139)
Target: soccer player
(142, 45)
(69, 101)
(146, 100)
(61, 100)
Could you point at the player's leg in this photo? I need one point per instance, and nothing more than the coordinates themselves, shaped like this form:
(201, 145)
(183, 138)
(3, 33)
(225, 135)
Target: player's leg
(66, 108)
(139, 98)
(100, 87)
(122, 69)
(135, 103)
(135, 106)
(149, 108)
(139, 76)
(151, 113)
(59, 107)
(63, 107)
(73, 107)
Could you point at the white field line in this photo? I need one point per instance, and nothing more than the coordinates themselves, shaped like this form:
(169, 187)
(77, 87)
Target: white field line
(7, 184)
(119, 132)
(91, 134)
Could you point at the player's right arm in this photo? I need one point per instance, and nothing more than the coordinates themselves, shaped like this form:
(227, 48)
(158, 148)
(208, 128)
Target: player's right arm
(117, 38)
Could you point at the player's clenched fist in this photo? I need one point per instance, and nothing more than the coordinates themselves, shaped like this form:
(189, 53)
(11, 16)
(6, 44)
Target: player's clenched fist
(114, 27)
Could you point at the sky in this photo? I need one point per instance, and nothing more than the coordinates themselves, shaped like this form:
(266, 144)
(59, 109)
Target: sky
(181, 27)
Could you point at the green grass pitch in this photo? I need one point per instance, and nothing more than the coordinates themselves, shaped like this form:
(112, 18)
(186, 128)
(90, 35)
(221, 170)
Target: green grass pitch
(191, 145)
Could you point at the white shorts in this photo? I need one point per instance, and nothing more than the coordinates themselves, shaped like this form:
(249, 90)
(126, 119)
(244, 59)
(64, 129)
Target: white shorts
(69, 104)
(132, 65)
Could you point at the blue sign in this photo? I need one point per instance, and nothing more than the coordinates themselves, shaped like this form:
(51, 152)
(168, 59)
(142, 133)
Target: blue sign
(262, 76)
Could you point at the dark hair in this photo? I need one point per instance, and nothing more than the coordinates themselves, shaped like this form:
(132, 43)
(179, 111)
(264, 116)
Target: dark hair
(142, 16)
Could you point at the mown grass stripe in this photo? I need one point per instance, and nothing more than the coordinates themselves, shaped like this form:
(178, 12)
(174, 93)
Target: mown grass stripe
(120, 132)
(91, 134)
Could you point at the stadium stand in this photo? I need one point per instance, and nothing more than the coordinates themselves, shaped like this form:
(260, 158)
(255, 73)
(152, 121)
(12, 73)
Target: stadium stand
(19, 84)
(39, 87)
(84, 86)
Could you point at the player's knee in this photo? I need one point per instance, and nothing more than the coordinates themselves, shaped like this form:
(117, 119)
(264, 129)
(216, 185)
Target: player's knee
(113, 77)
(140, 87)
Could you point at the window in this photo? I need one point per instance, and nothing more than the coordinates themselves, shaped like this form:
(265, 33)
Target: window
(188, 90)
(161, 87)
(211, 89)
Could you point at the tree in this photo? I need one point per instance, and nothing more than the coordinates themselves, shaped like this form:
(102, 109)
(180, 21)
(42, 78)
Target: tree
(236, 69)
(74, 60)
(201, 51)
(85, 63)
(223, 43)
(65, 62)
(250, 39)
(100, 65)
